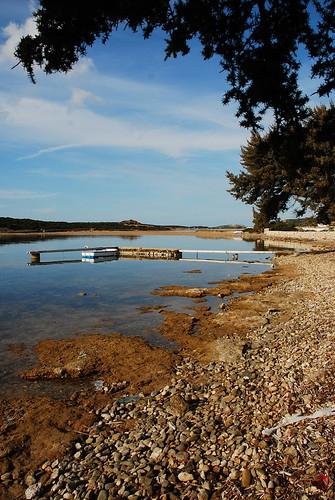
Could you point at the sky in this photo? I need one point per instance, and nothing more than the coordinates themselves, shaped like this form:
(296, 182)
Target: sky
(125, 135)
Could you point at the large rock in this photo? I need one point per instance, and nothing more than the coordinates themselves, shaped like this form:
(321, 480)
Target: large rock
(177, 406)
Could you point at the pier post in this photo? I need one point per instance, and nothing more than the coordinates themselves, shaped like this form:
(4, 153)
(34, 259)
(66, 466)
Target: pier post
(35, 257)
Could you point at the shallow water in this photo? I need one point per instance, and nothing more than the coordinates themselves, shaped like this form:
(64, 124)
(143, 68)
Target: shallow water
(43, 302)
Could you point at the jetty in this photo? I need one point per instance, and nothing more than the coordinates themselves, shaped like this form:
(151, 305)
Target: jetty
(101, 253)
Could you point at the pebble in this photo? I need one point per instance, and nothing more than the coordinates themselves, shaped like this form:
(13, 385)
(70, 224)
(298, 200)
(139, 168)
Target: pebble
(184, 476)
(245, 478)
(156, 453)
(103, 495)
(32, 491)
(54, 474)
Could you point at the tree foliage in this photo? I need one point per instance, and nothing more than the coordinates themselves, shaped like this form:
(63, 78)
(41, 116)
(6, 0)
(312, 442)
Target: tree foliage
(257, 43)
(296, 165)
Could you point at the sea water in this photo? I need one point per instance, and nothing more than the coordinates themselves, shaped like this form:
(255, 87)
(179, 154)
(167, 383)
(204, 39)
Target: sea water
(65, 300)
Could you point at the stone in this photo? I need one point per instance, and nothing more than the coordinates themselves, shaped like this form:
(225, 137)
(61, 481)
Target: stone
(54, 474)
(103, 495)
(29, 480)
(233, 474)
(245, 478)
(32, 491)
(185, 476)
(4, 465)
(202, 495)
(290, 451)
(182, 456)
(6, 476)
(177, 406)
(156, 453)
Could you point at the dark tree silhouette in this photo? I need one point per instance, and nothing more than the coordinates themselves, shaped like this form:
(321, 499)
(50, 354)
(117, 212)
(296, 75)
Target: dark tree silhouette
(295, 165)
(257, 42)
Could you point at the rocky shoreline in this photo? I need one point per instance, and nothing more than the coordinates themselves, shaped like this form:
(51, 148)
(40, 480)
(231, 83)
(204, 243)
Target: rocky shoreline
(203, 436)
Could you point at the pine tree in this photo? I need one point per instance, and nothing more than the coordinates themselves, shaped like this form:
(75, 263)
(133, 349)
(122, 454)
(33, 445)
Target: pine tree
(295, 166)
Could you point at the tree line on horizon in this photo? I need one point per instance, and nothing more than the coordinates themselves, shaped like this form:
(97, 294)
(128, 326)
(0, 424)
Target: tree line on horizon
(14, 224)
(260, 45)
(34, 225)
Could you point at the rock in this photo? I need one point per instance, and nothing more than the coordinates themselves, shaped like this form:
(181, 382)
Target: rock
(177, 406)
(6, 476)
(290, 451)
(103, 495)
(5, 466)
(185, 476)
(54, 474)
(245, 478)
(233, 475)
(30, 479)
(156, 453)
(202, 495)
(32, 491)
(182, 456)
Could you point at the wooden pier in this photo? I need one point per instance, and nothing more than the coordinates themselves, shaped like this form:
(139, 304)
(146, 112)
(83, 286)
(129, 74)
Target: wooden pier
(122, 252)
(150, 253)
(232, 256)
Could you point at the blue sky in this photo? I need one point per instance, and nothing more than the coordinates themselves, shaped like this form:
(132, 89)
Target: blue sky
(124, 135)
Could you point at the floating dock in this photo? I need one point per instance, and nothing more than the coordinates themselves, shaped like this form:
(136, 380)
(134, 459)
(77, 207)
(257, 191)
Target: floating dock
(96, 254)
(114, 253)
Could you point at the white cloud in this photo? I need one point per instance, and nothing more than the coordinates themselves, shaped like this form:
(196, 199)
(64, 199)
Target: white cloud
(80, 97)
(138, 115)
(51, 123)
(158, 99)
(7, 194)
(84, 66)
(13, 33)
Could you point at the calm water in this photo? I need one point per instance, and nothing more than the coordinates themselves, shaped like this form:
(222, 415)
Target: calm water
(42, 302)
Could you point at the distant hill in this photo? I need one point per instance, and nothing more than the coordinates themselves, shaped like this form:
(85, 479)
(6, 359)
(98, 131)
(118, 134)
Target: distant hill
(10, 224)
(31, 225)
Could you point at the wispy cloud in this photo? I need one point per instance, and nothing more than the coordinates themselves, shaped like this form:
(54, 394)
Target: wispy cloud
(54, 124)
(164, 100)
(80, 97)
(136, 115)
(43, 151)
(7, 194)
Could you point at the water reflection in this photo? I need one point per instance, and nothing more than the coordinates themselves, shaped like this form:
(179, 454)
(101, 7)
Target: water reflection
(45, 301)
(22, 238)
